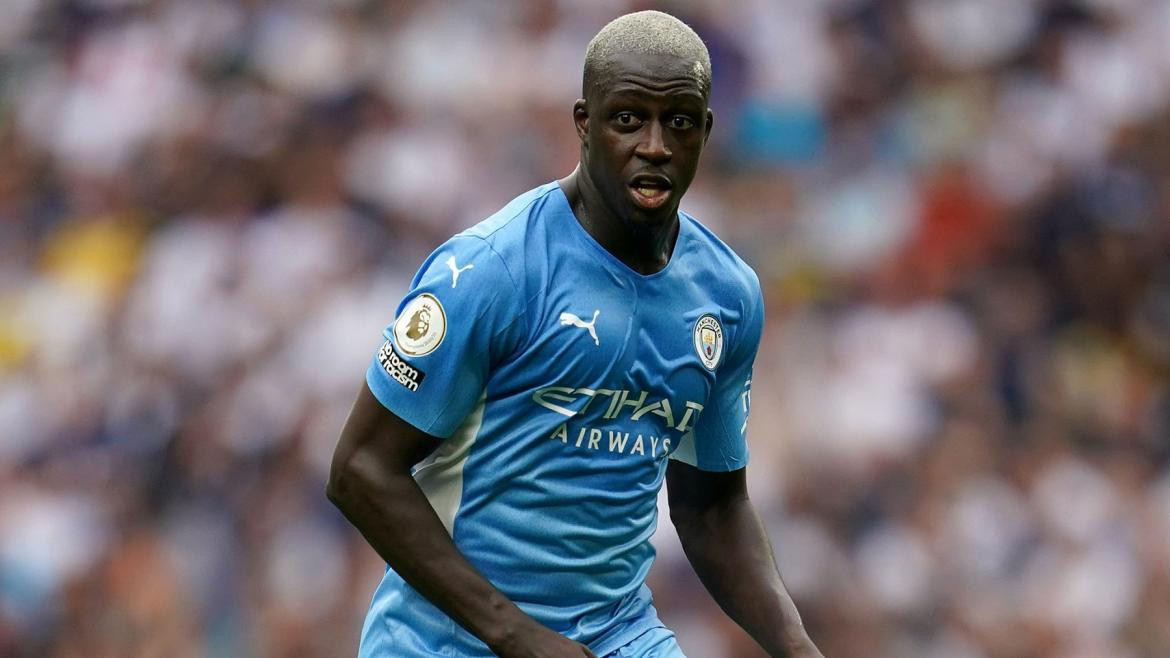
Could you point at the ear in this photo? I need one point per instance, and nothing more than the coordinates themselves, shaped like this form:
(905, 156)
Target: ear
(710, 124)
(581, 119)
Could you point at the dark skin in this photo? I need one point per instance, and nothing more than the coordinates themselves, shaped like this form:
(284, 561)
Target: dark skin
(651, 117)
(642, 127)
(370, 482)
(645, 122)
(726, 544)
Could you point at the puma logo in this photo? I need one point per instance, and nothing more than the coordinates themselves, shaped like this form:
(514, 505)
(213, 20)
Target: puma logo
(456, 271)
(571, 319)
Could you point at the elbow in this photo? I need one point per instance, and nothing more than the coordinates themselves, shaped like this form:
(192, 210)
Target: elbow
(340, 486)
(355, 479)
(334, 489)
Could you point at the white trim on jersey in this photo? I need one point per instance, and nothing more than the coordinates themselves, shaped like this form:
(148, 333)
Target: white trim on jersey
(440, 475)
(685, 452)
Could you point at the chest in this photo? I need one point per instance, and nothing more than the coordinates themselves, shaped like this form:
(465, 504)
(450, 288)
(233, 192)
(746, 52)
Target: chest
(638, 354)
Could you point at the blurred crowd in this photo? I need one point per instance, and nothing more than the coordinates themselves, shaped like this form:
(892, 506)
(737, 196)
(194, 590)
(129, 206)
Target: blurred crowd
(959, 210)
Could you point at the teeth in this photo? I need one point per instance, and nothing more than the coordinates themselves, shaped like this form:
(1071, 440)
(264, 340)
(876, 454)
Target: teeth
(650, 192)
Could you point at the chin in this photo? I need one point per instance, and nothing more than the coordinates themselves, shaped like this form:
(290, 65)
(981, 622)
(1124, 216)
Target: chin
(646, 220)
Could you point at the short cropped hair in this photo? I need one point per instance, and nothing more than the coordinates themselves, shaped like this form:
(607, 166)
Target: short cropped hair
(646, 33)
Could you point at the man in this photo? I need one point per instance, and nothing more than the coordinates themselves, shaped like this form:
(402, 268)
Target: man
(579, 346)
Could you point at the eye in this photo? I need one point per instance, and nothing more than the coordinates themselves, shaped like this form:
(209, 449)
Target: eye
(626, 119)
(680, 122)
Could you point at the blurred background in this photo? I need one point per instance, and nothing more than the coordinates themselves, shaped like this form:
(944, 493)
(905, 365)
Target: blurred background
(959, 209)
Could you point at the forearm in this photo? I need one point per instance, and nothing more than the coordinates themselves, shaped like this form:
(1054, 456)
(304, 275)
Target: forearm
(394, 516)
(729, 550)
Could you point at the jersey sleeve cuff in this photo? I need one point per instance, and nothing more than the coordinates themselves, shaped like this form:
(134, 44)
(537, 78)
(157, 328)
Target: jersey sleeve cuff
(715, 466)
(384, 390)
(688, 454)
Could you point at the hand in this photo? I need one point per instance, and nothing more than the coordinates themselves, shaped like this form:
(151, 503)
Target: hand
(536, 641)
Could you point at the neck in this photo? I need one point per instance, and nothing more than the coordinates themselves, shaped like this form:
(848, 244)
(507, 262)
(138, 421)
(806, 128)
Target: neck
(644, 249)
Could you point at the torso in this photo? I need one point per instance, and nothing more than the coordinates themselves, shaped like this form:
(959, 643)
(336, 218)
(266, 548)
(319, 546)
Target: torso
(558, 491)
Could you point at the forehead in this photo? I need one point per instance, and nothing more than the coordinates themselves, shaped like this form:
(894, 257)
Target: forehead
(645, 73)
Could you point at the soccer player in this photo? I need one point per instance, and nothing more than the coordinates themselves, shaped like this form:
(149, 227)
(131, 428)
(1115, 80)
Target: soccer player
(548, 369)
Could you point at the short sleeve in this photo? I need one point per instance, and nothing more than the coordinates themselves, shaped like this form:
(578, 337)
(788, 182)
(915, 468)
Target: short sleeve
(718, 441)
(461, 316)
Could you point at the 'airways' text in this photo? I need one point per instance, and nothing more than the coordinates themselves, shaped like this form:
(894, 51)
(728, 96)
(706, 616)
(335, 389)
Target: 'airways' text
(622, 443)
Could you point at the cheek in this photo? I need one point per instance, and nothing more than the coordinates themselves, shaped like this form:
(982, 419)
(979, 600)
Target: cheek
(688, 152)
(690, 144)
(613, 152)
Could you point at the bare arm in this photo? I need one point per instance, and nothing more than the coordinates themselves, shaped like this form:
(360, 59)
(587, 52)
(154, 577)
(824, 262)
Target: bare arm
(726, 544)
(370, 482)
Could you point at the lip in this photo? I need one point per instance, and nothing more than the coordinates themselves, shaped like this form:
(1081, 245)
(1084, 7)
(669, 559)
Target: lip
(658, 186)
(657, 197)
(651, 180)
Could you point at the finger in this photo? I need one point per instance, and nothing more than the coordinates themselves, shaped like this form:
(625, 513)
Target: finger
(588, 653)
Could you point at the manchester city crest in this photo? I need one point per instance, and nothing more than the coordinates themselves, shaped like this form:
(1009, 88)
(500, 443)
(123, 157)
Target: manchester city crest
(709, 340)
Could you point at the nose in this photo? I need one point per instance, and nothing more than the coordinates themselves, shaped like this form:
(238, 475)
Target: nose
(653, 147)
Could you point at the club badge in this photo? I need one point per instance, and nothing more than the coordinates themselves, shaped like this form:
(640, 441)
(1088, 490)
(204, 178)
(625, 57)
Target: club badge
(421, 326)
(709, 340)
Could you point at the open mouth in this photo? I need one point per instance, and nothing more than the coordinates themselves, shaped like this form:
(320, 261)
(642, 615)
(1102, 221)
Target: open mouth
(650, 191)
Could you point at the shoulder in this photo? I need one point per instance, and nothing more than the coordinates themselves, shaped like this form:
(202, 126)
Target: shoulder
(734, 287)
(721, 265)
(491, 257)
(508, 226)
(507, 232)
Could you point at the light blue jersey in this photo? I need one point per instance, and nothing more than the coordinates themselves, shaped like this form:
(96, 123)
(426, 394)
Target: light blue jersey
(561, 382)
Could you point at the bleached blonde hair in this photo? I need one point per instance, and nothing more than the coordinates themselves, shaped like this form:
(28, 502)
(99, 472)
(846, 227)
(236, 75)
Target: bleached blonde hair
(646, 33)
